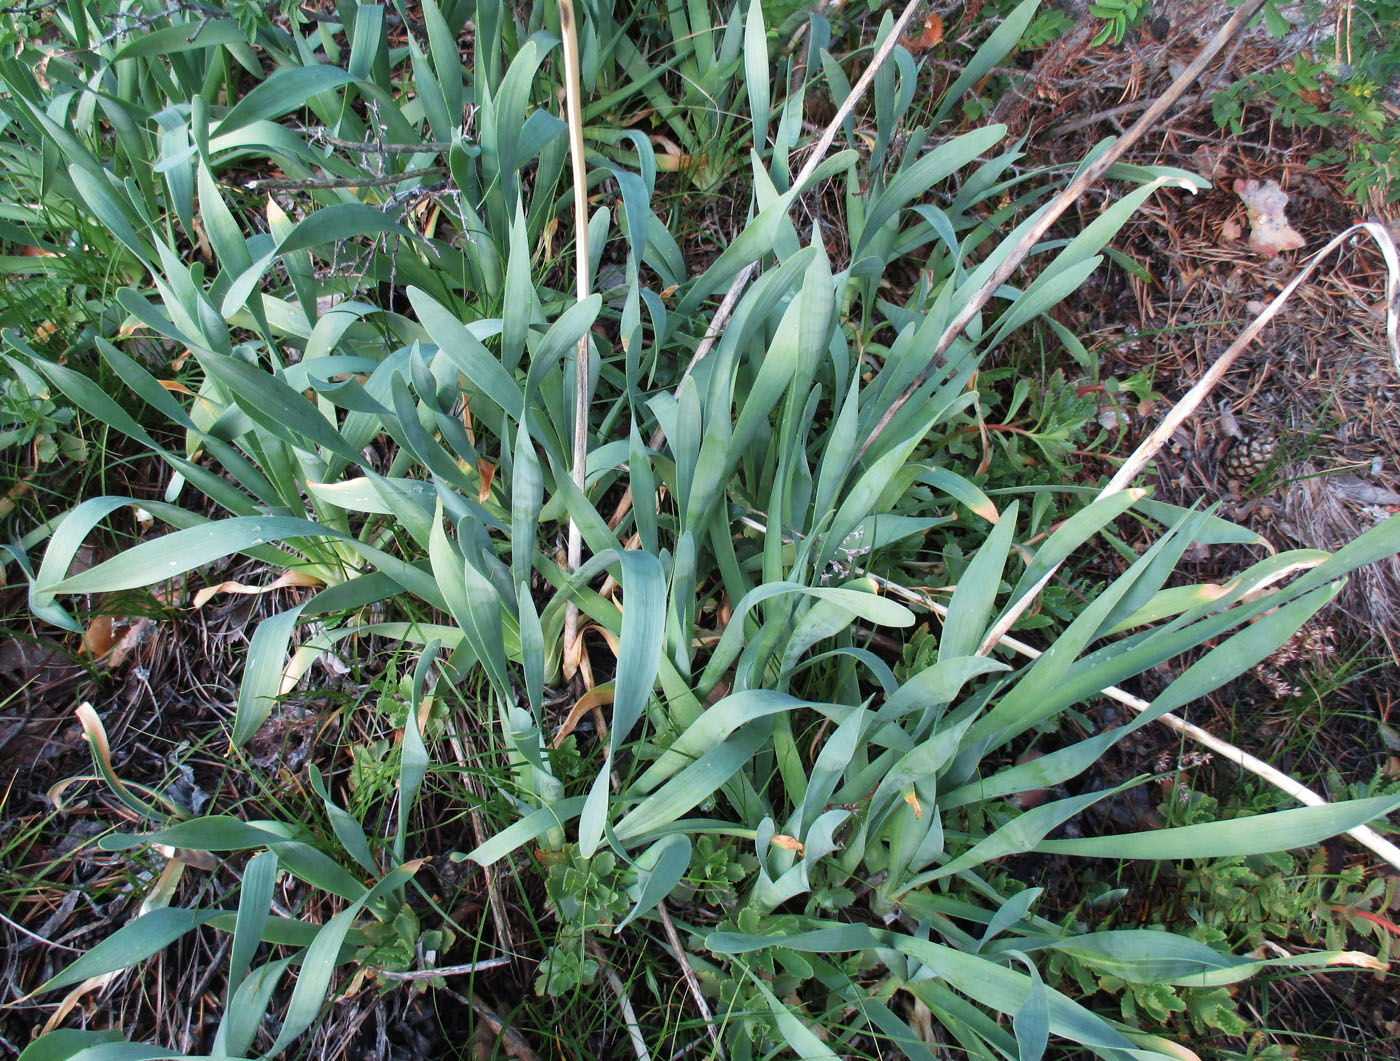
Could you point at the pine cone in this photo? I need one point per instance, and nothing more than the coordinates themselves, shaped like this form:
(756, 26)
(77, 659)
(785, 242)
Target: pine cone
(1248, 457)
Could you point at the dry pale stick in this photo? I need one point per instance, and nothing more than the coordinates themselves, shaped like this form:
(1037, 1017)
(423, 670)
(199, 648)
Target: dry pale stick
(1193, 398)
(573, 108)
(1363, 834)
(445, 970)
(814, 159)
(629, 1015)
(691, 981)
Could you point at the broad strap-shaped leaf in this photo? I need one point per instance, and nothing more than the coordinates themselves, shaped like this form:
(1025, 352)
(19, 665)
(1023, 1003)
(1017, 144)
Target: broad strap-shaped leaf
(693, 785)
(531, 827)
(659, 869)
(132, 943)
(254, 904)
(971, 606)
(643, 636)
(263, 676)
(321, 958)
(284, 90)
(1256, 834)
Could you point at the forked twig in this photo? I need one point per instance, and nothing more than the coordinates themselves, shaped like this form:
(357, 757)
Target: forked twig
(1058, 206)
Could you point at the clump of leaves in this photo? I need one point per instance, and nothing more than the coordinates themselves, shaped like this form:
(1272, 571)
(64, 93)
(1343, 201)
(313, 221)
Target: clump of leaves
(748, 518)
(32, 423)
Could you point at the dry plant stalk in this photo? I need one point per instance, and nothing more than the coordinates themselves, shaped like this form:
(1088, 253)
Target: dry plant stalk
(573, 105)
(814, 159)
(1139, 460)
(818, 153)
(692, 983)
(1197, 394)
(624, 1003)
(1363, 834)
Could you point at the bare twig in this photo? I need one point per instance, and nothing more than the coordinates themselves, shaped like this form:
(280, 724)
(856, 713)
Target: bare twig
(1058, 206)
(691, 982)
(362, 147)
(716, 328)
(1363, 834)
(862, 86)
(814, 159)
(302, 184)
(629, 1015)
(125, 23)
(512, 1041)
(446, 970)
